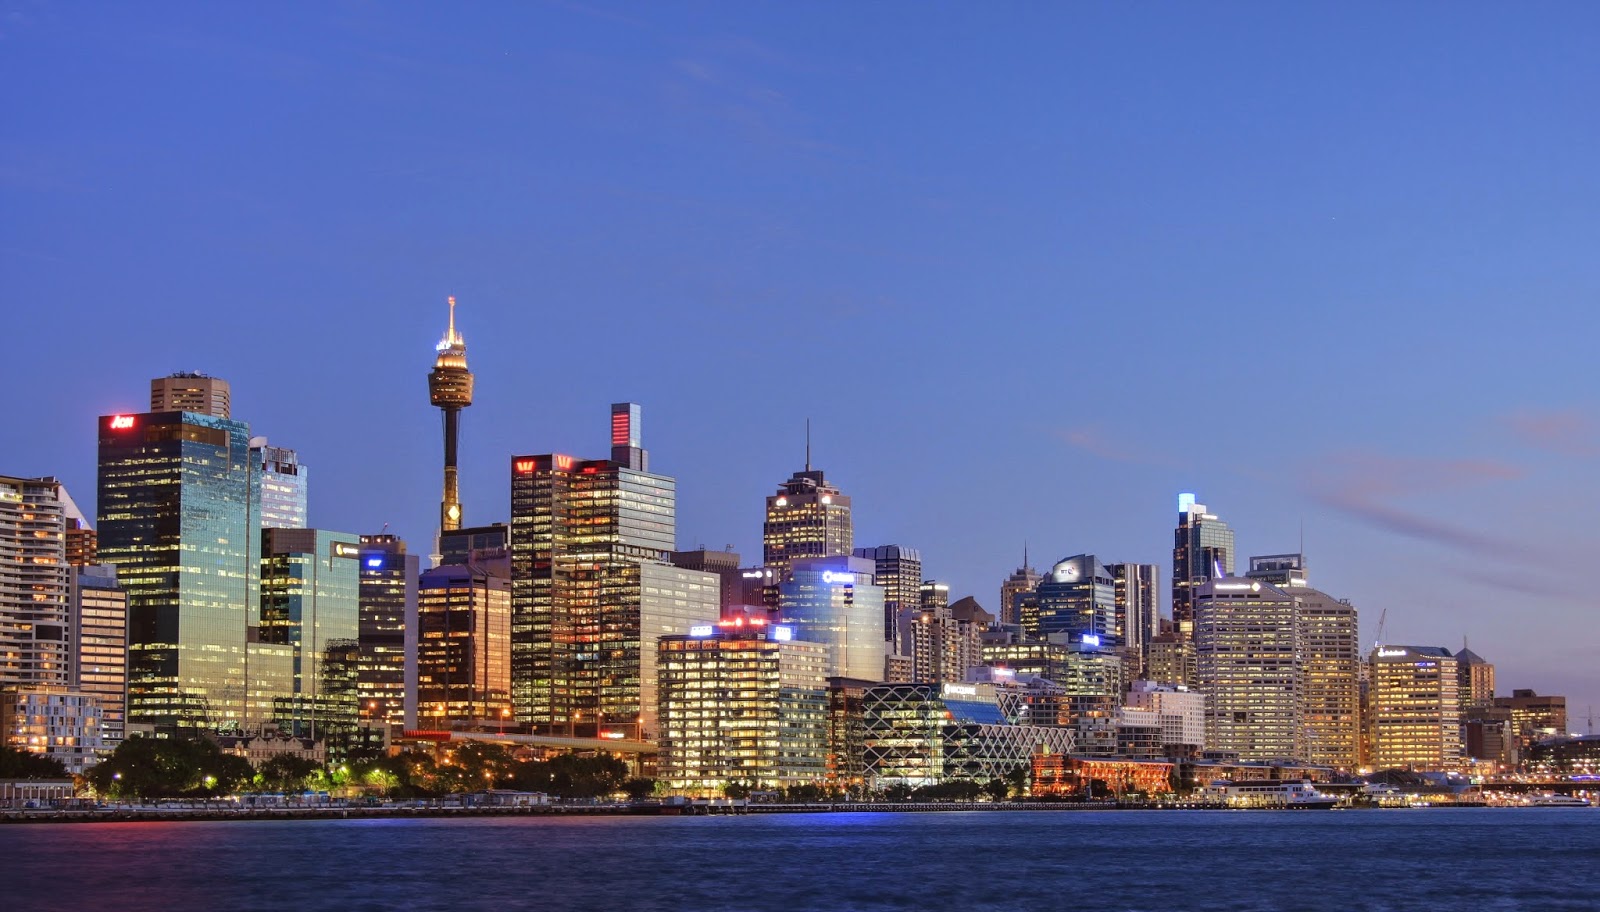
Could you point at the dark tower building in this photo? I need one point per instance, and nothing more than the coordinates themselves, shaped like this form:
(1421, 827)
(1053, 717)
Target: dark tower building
(450, 390)
(1202, 550)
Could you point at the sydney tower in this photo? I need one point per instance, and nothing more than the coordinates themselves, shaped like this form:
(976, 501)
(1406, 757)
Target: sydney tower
(450, 389)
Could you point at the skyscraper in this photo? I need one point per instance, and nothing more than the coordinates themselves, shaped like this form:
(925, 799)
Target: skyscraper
(386, 678)
(178, 516)
(463, 647)
(1249, 666)
(100, 625)
(283, 485)
(35, 585)
(806, 518)
(591, 588)
(1138, 615)
(310, 605)
(450, 391)
(832, 601)
(1020, 584)
(742, 703)
(191, 391)
(1416, 708)
(1078, 599)
(1330, 658)
(1477, 679)
(1202, 550)
(899, 574)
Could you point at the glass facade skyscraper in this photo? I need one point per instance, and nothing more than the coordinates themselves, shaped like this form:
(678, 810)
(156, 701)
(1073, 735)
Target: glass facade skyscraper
(1202, 550)
(591, 586)
(1077, 599)
(833, 601)
(310, 604)
(283, 486)
(178, 516)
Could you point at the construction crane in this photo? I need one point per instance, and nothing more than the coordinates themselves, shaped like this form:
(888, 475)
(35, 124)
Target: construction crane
(1377, 639)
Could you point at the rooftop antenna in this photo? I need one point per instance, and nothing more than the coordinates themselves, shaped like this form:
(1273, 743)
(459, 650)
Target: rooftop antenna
(1024, 554)
(808, 444)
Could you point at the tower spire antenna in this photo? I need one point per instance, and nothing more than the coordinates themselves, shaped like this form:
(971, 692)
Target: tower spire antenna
(452, 335)
(1024, 554)
(808, 444)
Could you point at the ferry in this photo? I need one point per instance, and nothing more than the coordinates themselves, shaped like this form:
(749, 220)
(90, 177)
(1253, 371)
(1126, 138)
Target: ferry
(1549, 800)
(1290, 794)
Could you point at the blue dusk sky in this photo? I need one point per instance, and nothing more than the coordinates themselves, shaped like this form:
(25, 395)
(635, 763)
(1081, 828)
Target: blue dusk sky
(1031, 269)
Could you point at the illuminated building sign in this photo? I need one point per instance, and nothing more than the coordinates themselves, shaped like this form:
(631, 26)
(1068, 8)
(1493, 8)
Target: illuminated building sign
(340, 549)
(121, 422)
(702, 630)
(751, 574)
(374, 562)
(1386, 653)
(1237, 587)
(828, 576)
(782, 634)
(535, 463)
(960, 690)
(1090, 639)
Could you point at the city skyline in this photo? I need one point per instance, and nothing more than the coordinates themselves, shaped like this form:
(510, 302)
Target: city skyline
(1376, 313)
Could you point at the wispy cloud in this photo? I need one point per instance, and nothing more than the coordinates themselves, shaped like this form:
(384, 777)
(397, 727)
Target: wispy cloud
(1365, 486)
(1095, 441)
(1568, 432)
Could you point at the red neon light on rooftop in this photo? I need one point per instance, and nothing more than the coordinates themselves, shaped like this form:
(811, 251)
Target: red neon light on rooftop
(526, 466)
(121, 422)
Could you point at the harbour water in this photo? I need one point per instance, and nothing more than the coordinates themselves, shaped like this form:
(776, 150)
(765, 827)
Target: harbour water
(1434, 859)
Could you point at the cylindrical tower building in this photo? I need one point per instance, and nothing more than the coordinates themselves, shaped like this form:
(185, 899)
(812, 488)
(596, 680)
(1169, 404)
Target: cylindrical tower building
(450, 389)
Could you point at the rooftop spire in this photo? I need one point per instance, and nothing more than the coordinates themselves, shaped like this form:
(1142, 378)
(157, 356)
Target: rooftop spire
(808, 444)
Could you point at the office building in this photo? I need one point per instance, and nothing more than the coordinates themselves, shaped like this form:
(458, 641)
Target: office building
(1019, 585)
(189, 391)
(311, 606)
(898, 572)
(477, 545)
(924, 734)
(591, 589)
(1330, 640)
(1181, 713)
(1477, 679)
(832, 601)
(1534, 717)
(742, 703)
(450, 391)
(100, 625)
(386, 678)
(463, 647)
(1077, 599)
(734, 592)
(1202, 550)
(807, 518)
(1249, 665)
(35, 585)
(177, 515)
(1170, 659)
(282, 483)
(1137, 591)
(943, 640)
(1416, 708)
